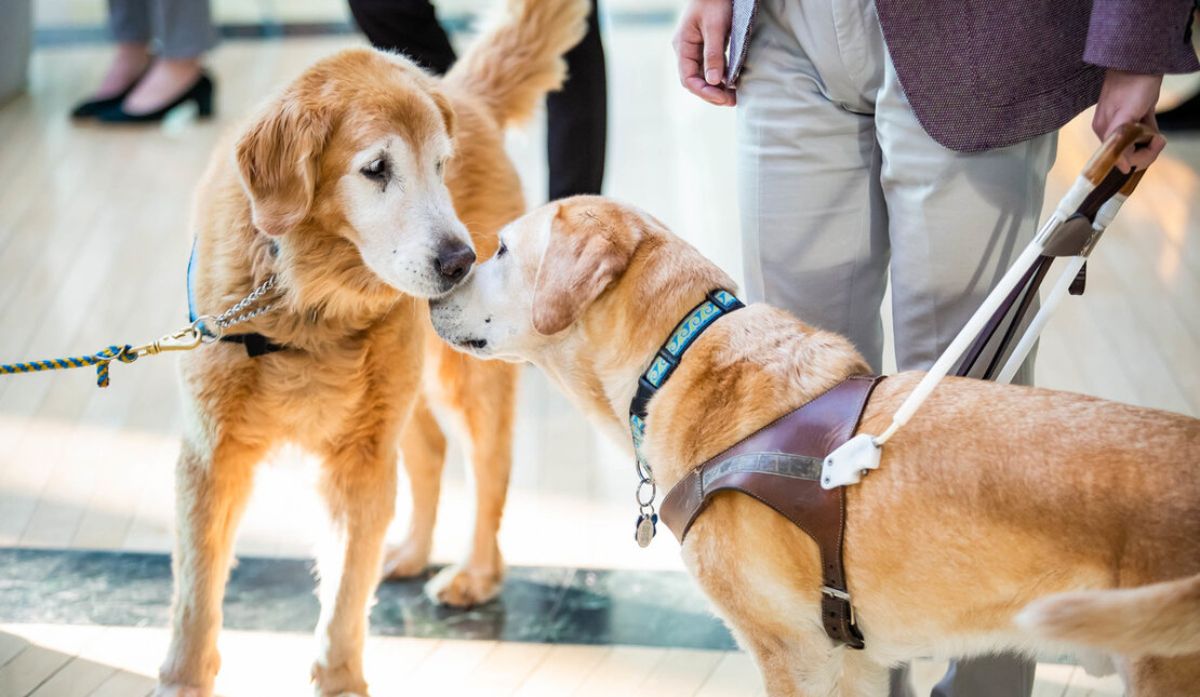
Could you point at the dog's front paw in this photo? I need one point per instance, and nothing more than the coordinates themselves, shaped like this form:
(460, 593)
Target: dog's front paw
(337, 681)
(405, 560)
(459, 586)
(175, 689)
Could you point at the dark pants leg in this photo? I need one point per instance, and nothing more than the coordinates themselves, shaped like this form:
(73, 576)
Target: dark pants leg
(406, 26)
(577, 116)
(577, 119)
(1003, 675)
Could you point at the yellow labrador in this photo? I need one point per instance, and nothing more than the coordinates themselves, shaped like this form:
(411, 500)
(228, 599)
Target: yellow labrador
(1002, 518)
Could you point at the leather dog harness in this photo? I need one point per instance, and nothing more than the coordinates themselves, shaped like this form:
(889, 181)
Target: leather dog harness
(780, 465)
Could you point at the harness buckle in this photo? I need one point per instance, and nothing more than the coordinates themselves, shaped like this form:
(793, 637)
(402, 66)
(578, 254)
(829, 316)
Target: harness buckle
(843, 596)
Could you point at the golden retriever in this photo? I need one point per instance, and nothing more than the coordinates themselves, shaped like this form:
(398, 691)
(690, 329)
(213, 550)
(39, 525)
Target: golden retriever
(1001, 518)
(349, 187)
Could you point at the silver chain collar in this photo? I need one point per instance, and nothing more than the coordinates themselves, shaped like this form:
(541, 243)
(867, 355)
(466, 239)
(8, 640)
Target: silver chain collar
(212, 328)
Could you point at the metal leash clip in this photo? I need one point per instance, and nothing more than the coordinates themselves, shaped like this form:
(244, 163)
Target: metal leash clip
(204, 330)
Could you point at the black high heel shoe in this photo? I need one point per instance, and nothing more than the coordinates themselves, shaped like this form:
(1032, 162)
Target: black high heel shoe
(95, 107)
(201, 92)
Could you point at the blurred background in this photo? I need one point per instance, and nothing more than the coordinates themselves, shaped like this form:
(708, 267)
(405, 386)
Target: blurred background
(93, 248)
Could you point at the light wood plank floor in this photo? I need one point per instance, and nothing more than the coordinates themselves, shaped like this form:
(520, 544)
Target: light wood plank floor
(72, 661)
(93, 246)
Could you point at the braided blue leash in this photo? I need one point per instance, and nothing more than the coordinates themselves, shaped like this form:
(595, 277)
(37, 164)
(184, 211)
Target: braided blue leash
(100, 359)
(203, 330)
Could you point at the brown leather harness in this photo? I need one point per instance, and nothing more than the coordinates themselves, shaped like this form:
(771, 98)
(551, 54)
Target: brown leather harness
(780, 465)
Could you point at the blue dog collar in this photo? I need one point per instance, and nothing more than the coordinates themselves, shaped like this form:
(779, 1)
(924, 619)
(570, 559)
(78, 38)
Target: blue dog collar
(717, 304)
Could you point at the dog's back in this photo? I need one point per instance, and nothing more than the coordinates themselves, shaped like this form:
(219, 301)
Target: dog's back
(1091, 494)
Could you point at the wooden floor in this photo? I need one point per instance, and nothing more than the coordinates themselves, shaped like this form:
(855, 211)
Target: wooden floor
(93, 247)
(65, 660)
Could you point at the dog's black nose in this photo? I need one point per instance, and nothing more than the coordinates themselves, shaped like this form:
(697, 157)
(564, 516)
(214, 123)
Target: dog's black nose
(454, 260)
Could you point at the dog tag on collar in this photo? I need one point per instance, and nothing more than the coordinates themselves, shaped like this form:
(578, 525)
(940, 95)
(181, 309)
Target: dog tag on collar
(646, 528)
(847, 464)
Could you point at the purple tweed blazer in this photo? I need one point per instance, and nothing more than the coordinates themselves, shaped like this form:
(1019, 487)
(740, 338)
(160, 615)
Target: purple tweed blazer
(983, 74)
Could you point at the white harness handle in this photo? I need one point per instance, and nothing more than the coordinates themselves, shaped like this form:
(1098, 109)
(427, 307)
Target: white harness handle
(848, 463)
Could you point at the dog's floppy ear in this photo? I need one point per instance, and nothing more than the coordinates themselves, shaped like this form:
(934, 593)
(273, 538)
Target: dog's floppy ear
(277, 161)
(587, 251)
(447, 111)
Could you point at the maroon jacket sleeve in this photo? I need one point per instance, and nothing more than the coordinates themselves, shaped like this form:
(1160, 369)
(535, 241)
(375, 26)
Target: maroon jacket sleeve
(1142, 36)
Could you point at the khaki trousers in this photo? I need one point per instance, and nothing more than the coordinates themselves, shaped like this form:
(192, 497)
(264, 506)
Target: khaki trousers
(839, 184)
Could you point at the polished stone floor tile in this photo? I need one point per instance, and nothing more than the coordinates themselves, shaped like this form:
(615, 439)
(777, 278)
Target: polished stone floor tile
(637, 607)
(538, 604)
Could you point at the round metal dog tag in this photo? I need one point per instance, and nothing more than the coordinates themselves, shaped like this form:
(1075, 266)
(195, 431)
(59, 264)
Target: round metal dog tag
(645, 531)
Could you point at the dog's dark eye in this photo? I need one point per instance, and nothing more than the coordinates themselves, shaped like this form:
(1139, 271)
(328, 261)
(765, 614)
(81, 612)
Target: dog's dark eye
(502, 250)
(377, 170)
(440, 167)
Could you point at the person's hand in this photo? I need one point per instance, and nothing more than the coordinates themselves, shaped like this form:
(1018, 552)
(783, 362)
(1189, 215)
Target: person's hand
(699, 45)
(1126, 97)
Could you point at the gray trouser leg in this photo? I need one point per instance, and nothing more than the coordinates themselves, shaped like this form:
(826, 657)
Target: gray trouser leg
(184, 28)
(956, 222)
(900, 684)
(943, 264)
(838, 183)
(814, 223)
(1003, 675)
(129, 21)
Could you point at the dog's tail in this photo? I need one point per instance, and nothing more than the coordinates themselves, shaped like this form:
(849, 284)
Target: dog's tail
(518, 59)
(1162, 619)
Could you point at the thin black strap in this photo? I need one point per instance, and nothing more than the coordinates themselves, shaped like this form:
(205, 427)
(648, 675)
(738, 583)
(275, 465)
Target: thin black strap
(256, 344)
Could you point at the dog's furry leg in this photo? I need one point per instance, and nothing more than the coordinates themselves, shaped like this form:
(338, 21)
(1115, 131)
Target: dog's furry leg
(489, 427)
(862, 676)
(424, 448)
(358, 483)
(802, 665)
(211, 490)
(769, 599)
(1161, 676)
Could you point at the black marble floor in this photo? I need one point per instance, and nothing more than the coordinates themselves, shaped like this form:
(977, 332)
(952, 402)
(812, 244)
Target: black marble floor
(538, 604)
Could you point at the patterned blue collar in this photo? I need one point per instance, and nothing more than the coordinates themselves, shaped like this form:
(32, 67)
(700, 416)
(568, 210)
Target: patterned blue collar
(717, 304)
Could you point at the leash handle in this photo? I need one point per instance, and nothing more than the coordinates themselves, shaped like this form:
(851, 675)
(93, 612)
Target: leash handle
(1105, 159)
(1099, 167)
